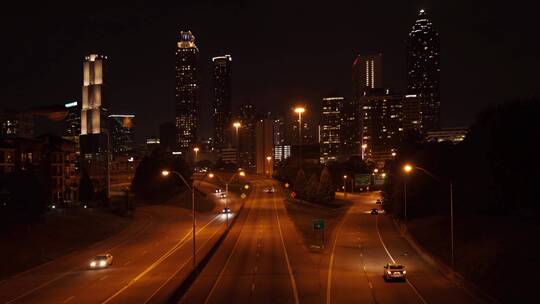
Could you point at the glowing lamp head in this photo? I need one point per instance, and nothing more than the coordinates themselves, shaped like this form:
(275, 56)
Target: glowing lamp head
(375, 170)
(299, 110)
(211, 175)
(407, 168)
(242, 173)
(364, 146)
(237, 125)
(165, 172)
(344, 176)
(196, 149)
(268, 158)
(394, 154)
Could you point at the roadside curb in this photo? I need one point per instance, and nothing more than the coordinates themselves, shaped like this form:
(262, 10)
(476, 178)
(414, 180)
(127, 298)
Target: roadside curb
(453, 276)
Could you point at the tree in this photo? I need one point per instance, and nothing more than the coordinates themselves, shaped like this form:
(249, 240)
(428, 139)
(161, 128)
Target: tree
(300, 182)
(326, 191)
(311, 187)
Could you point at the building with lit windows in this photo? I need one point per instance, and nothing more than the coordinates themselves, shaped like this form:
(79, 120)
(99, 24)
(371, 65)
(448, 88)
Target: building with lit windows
(452, 135)
(72, 129)
(122, 133)
(221, 113)
(94, 138)
(367, 73)
(330, 128)
(16, 124)
(423, 70)
(187, 91)
(382, 124)
(247, 133)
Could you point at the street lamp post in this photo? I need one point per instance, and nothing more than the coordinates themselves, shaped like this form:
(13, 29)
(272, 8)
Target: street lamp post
(364, 146)
(237, 125)
(345, 186)
(300, 110)
(192, 189)
(268, 159)
(196, 150)
(212, 175)
(408, 168)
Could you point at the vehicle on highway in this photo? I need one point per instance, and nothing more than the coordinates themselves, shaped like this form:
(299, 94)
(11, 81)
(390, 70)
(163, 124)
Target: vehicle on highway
(374, 211)
(218, 190)
(269, 190)
(226, 210)
(101, 261)
(394, 271)
(378, 202)
(223, 195)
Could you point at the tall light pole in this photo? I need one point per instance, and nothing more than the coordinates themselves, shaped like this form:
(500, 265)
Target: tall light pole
(237, 125)
(192, 189)
(268, 159)
(344, 186)
(408, 168)
(196, 150)
(299, 111)
(364, 146)
(212, 175)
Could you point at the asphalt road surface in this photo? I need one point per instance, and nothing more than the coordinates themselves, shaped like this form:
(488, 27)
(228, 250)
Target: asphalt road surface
(363, 244)
(151, 257)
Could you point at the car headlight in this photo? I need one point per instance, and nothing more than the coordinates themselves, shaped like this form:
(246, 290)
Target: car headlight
(93, 264)
(102, 263)
(404, 271)
(389, 272)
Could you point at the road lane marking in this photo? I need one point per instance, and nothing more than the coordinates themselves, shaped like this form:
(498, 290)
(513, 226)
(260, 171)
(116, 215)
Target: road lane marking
(103, 277)
(79, 266)
(370, 285)
(408, 282)
(331, 263)
(69, 299)
(171, 251)
(252, 287)
(126, 263)
(291, 275)
(230, 255)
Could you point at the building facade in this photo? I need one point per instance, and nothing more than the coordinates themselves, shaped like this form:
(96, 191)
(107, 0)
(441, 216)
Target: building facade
(247, 144)
(122, 133)
(187, 91)
(382, 124)
(72, 129)
(330, 128)
(423, 70)
(221, 113)
(16, 124)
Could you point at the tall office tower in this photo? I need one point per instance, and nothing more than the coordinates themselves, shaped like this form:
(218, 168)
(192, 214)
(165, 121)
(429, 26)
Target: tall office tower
(423, 70)
(122, 132)
(330, 128)
(94, 139)
(350, 130)
(248, 119)
(293, 135)
(187, 91)
(366, 74)
(265, 146)
(382, 124)
(167, 136)
(73, 123)
(222, 100)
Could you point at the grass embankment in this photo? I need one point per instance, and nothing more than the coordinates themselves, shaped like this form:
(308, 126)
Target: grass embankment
(498, 254)
(55, 234)
(303, 213)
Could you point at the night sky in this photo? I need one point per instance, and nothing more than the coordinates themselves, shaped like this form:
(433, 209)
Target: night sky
(282, 53)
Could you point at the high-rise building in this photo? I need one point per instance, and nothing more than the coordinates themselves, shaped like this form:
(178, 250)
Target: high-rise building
(122, 132)
(94, 138)
(382, 124)
(187, 91)
(16, 124)
(330, 128)
(423, 70)
(167, 136)
(265, 146)
(222, 100)
(73, 123)
(350, 128)
(248, 119)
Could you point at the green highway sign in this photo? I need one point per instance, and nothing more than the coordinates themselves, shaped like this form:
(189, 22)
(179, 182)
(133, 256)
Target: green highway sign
(318, 224)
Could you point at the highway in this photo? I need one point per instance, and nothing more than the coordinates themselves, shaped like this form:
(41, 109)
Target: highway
(151, 256)
(259, 261)
(363, 244)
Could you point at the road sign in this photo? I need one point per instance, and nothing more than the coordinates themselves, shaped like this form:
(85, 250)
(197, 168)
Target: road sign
(362, 180)
(243, 196)
(293, 194)
(286, 185)
(318, 224)
(246, 186)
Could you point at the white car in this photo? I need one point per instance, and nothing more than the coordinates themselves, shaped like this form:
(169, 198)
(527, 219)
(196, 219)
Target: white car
(269, 190)
(394, 271)
(101, 261)
(226, 210)
(223, 195)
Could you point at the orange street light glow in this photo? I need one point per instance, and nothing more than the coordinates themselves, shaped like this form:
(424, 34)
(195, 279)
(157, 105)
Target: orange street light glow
(165, 173)
(237, 125)
(407, 168)
(242, 173)
(211, 175)
(299, 110)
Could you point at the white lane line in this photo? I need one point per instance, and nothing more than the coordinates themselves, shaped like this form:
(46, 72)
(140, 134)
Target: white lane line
(177, 246)
(103, 277)
(229, 258)
(127, 263)
(387, 252)
(331, 263)
(370, 285)
(75, 268)
(291, 275)
(69, 299)
(252, 287)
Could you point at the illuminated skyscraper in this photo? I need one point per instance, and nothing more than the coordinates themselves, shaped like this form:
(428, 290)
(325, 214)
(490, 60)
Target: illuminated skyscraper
(73, 123)
(330, 128)
(222, 100)
(248, 119)
(367, 72)
(423, 71)
(94, 139)
(187, 90)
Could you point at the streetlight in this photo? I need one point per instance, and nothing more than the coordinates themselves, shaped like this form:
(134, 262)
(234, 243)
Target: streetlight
(394, 154)
(269, 159)
(212, 175)
(375, 170)
(364, 146)
(192, 189)
(300, 110)
(344, 186)
(408, 168)
(196, 150)
(237, 125)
